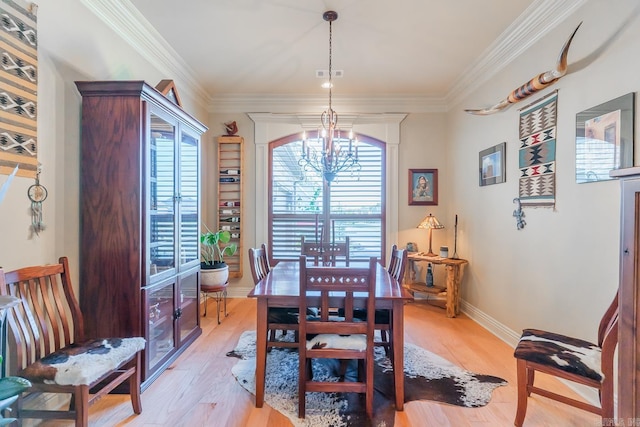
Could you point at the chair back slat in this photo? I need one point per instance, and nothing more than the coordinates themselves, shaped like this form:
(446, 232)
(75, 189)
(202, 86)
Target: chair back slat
(48, 317)
(326, 253)
(397, 263)
(259, 263)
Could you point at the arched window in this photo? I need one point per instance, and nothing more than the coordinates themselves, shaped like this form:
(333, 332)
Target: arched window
(302, 204)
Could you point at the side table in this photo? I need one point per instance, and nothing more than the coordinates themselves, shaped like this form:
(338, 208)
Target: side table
(455, 270)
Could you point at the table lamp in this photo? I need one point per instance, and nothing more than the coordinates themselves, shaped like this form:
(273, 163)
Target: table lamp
(430, 222)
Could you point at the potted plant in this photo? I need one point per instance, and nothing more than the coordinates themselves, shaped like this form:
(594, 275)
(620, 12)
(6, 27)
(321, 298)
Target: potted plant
(214, 247)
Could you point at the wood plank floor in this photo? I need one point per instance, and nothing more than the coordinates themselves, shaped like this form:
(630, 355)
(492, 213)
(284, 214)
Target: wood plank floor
(199, 390)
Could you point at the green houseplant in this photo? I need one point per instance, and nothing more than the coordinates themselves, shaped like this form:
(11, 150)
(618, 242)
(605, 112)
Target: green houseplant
(215, 245)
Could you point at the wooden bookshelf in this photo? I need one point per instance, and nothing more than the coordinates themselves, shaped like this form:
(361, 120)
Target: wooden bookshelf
(230, 192)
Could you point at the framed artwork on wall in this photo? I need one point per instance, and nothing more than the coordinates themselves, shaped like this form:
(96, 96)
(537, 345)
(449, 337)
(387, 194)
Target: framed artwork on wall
(423, 186)
(604, 139)
(491, 165)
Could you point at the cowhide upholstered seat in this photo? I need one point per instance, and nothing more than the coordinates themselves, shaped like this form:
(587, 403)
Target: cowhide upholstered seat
(83, 364)
(574, 359)
(568, 354)
(47, 346)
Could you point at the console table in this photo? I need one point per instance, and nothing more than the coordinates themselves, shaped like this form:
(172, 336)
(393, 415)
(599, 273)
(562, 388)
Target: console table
(455, 270)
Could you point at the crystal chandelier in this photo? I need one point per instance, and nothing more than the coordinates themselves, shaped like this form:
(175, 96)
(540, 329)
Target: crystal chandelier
(331, 158)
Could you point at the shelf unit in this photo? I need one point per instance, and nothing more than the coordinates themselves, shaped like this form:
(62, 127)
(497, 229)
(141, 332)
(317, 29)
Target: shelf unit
(230, 192)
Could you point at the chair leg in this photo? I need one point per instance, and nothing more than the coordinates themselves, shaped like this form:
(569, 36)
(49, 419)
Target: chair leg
(81, 395)
(523, 376)
(606, 400)
(134, 387)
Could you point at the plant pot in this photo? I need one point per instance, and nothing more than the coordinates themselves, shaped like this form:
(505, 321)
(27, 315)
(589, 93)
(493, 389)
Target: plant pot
(214, 275)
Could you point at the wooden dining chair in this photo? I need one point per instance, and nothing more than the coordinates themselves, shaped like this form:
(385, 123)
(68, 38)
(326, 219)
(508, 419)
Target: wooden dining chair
(572, 359)
(330, 338)
(283, 319)
(396, 268)
(326, 253)
(48, 348)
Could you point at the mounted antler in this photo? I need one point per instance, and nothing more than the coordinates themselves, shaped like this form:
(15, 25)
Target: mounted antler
(535, 84)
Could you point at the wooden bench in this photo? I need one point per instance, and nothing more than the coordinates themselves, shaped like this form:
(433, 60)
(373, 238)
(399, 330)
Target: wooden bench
(46, 345)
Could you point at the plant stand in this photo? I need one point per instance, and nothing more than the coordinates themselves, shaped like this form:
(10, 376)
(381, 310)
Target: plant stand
(220, 292)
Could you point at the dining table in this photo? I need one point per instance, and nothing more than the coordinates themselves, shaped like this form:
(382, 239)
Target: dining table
(281, 288)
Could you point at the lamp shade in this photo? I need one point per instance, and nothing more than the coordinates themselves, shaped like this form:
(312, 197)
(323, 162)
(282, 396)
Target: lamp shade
(430, 221)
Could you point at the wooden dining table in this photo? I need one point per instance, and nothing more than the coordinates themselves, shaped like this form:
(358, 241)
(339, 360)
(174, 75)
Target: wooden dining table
(281, 288)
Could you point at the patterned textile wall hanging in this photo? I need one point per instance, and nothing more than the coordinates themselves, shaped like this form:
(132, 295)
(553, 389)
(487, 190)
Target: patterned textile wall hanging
(18, 88)
(537, 157)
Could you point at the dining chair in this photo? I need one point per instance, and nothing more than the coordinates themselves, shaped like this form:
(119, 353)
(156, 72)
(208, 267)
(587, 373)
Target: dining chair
(326, 253)
(396, 268)
(590, 364)
(329, 338)
(283, 319)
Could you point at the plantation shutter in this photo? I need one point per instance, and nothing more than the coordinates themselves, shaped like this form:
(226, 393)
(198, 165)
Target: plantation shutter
(353, 204)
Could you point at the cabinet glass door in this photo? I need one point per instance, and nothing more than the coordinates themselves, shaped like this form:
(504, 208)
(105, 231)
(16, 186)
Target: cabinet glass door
(162, 192)
(160, 302)
(188, 303)
(188, 190)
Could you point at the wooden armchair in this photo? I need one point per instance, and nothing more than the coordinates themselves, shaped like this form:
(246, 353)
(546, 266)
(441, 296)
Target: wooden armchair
(284, 319)
(326, 253)
(330, 339)
(47, 346)
(572, 359)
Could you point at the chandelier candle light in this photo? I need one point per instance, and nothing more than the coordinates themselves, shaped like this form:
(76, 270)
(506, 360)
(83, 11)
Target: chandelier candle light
(331, 159)
(430, 222)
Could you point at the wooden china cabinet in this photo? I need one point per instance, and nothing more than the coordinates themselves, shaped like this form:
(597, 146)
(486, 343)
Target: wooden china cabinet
(139, 219)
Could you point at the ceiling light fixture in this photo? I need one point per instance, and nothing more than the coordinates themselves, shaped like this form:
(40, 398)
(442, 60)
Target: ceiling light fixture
(330, 158)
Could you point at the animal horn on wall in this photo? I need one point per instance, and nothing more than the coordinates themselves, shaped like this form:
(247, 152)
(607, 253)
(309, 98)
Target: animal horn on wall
(534, 85)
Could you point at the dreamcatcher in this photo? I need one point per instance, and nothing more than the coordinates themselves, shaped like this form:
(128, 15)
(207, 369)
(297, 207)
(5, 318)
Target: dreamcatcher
(37, 194)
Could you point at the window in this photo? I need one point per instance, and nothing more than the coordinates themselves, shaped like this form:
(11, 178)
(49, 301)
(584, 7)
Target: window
(301, 203)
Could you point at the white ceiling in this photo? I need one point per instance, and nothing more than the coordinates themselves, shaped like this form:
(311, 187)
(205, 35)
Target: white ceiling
(430, 49)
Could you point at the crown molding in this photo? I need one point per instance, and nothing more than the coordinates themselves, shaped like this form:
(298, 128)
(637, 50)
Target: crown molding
(126, 21)
(278, 103)
(539, 18)
(310, 121)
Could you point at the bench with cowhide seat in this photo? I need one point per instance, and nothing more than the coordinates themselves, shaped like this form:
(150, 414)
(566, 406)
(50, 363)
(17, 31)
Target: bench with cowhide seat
(46, 345)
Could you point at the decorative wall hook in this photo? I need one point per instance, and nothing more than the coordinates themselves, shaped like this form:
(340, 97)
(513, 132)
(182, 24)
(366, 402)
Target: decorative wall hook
(519, 214)
(534, 85)
(37, 194)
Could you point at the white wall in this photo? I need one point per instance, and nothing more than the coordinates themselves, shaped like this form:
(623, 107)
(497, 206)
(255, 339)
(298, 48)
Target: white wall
(561, 271)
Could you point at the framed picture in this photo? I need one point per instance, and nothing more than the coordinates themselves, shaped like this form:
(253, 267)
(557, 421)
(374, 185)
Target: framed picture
(423, 186)
(604, 139)
(491, 165)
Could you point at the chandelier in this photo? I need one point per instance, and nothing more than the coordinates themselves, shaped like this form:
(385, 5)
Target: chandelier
(331, 158)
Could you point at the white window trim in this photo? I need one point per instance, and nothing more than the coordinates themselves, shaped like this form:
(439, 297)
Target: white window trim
(272, 126)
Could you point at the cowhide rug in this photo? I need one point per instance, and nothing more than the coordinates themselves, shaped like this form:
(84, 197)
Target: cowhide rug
(427, 377)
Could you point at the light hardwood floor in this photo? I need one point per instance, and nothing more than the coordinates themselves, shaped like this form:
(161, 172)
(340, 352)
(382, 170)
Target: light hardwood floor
(199, 390)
